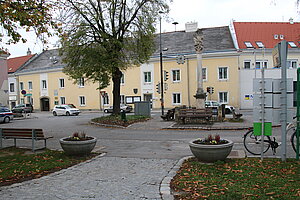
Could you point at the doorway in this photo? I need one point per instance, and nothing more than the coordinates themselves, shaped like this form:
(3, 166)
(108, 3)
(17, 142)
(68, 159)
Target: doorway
(148, 97)
(45, 104)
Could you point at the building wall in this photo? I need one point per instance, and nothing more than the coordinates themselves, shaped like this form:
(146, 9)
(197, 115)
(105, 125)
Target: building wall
(3, 80)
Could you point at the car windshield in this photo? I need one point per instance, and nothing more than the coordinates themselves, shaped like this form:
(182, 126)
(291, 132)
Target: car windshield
(215, 103)
(71, 106)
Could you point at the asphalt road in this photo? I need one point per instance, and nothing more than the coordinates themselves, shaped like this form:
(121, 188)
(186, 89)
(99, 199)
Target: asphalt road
(141, 140)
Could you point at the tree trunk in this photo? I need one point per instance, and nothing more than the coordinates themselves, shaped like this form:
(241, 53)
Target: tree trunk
(116, 78)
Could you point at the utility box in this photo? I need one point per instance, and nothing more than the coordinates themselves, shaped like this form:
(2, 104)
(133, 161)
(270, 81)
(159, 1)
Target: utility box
(142, 108)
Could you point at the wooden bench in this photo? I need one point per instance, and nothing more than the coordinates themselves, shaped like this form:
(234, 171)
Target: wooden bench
(187, 114)
(23, 133)
(170, 115)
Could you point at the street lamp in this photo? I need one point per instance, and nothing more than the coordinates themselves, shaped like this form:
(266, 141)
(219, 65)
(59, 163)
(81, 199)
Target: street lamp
(161, 69)
(175, 23)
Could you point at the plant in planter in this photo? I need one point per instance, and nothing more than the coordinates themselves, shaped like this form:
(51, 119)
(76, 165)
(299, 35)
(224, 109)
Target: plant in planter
(78, 144)
(211, 149)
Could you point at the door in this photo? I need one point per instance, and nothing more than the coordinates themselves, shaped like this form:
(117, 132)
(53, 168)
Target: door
(45, 104)
(148, 97)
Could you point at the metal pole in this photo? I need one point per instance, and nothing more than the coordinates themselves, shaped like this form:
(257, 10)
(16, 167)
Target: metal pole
(283, 55)
(262, 108)
(161, 71)
(298, 113)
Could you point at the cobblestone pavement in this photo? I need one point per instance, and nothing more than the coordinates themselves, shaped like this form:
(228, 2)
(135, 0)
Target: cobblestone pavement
(105, 178)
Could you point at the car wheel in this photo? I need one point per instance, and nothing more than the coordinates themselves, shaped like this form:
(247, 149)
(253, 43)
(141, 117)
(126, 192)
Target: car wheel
(67, 113)
(106, 111)
(77, 114)
(54, 113)
(6, 120)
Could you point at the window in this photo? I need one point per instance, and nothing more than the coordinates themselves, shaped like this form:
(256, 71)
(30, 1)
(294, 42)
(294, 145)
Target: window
(29, 85)
(259, 64)
(122, 99)
(223, 73)
(105, 99)
(176, 75)
(21, 86)
(122, 79)
(81, 82)
(82, 100)
(22, 101)
(248, 44)
(61, 83)
(12, 87)
(176, 98)
(292, 44)
(62, 100)
(204, 75)
(44, 84)
(247, 64)
(292, 64)
(30, 99)
(260, 44)
(147, 77)
(223, 97)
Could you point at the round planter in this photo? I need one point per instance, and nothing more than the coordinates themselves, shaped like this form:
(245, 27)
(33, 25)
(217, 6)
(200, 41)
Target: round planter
(78, 147)
(211, 153)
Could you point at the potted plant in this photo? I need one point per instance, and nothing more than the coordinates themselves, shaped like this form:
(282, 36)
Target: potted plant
(211, 149)
(78, 144)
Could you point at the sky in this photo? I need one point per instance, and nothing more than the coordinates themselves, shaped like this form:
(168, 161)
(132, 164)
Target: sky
(207, 13)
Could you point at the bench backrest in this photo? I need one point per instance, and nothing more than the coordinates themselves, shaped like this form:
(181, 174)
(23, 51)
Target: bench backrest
(21, 132)
(195, 111)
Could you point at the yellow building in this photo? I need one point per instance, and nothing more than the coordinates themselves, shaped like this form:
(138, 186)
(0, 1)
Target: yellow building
(46, 85)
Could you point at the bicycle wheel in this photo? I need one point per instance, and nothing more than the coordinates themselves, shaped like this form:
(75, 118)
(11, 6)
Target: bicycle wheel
(252, 143)
(294, 140)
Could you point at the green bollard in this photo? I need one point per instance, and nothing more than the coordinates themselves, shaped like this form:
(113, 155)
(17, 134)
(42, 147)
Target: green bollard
(123, 115)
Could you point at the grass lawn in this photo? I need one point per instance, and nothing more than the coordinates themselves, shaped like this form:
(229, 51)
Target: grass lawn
(116, 119)
(238, 179)
(17, 165)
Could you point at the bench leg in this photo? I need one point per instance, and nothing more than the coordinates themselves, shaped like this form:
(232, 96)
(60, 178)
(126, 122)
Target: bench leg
(45, 142)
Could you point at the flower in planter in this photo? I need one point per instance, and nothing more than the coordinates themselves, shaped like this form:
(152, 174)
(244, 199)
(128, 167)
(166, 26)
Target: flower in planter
(211, 140)
(78, 136)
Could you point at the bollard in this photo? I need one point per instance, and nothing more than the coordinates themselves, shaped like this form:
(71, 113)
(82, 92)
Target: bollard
(123, 115)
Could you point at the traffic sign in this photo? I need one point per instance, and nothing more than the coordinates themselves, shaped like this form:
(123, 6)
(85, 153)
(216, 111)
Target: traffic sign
(23, 92)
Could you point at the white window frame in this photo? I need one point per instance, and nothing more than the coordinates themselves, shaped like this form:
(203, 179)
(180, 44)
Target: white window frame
(30, 85)
(227, 73)
(80, 101)
(21, 86)
(44, 84)
(122, 99)
(11, 87)
(81, 82)
(177, 99)
(105, 99)
(147, 77)
(122, 81)
(175, 77)
(248, 44)
(204, 73)
(221, 101)
(62, 100)
(290, 63)
(261, 62)
(247, 61)
(260, 44)
(292, 44)
(61, 82)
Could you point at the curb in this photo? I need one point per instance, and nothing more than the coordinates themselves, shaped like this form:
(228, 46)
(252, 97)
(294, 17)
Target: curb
(107, 125)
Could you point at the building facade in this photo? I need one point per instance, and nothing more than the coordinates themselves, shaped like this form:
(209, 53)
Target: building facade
(3, 79)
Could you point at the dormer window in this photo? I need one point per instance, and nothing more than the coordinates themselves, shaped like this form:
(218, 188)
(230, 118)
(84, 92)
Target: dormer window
(260, 44)
(276, 37)
(248, 44)
(292, 44)
(281, 37)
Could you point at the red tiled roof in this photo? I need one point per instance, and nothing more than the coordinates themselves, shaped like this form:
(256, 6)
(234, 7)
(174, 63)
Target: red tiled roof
(264, 32)
(14, 63)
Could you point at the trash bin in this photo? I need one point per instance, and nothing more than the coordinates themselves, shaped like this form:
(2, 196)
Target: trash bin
(123, 115)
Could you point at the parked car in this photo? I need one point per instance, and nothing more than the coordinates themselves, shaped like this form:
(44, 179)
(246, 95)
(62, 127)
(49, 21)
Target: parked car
(5, 115)
(126, 108)
(214, 104)
(66, 109)
(22, 108)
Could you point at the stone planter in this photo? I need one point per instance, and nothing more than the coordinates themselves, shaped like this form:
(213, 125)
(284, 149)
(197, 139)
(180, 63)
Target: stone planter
(211, 153)
(78, 147)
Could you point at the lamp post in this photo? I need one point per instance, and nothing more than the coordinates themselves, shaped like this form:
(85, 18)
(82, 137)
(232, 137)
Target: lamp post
(161, 69)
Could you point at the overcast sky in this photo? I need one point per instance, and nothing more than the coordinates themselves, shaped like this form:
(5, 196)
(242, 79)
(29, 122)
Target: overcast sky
(208, 13)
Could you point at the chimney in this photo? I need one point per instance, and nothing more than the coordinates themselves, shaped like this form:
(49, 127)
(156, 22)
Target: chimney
(191, 27)
(28, 52)
(291, 20)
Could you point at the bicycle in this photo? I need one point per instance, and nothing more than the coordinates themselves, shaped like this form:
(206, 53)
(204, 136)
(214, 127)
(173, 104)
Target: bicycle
(252, 143)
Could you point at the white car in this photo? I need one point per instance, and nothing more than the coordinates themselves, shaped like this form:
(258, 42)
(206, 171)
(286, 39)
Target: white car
(68, 109)
(215, 104)
(5, 115)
